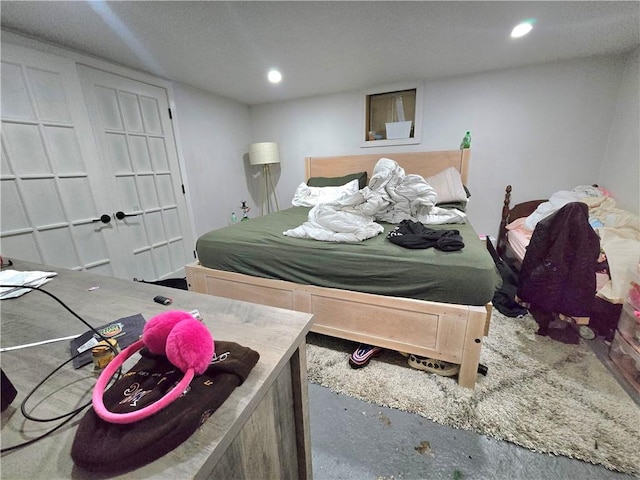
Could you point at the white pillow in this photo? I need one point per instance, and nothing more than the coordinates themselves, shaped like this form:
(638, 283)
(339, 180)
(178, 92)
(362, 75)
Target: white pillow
(448, 186)
(307, 196)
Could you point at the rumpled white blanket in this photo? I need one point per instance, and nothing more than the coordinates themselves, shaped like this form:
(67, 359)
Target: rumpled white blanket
(391, 196)
(558, 200)
(619, 232)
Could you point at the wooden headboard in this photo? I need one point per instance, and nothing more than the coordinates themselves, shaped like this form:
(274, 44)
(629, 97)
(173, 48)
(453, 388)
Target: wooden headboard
(421, 163)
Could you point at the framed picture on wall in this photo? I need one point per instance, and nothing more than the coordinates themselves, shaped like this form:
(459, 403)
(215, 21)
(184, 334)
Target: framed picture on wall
(392, 116)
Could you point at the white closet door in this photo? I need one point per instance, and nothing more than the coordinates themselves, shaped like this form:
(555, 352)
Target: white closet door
(135, 138)
(51, 191)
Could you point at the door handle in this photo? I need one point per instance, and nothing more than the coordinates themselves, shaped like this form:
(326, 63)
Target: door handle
(104, 219)
(120, 215)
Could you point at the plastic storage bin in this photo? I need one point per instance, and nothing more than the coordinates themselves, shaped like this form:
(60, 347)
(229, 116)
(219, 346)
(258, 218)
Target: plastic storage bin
(627, 359)
(629, 325)
(633, 277)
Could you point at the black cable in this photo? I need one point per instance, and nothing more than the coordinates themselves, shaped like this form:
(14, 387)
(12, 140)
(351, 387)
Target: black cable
(44, 420)
(61, 303)
(70, 415)
(34, 440)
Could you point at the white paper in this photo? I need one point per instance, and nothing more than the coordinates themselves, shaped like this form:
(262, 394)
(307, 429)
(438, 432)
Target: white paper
(17, 278)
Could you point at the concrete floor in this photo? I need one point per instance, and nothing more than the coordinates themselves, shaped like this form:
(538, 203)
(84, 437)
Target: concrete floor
(352, 439)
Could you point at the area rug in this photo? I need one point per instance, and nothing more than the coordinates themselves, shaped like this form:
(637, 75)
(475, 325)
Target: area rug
(539, 393)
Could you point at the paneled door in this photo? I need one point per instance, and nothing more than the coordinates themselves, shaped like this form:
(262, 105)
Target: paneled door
(135, 138)
(54, 209)
(90, 178)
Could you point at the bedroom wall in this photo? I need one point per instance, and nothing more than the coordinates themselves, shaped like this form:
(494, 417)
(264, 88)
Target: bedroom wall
(621, 168)
(214, 135)
(540, 128)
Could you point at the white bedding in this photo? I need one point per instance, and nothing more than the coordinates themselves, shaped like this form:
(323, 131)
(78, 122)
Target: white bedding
(307, 196)
(619, 232)
(558, 200)
(391, 196)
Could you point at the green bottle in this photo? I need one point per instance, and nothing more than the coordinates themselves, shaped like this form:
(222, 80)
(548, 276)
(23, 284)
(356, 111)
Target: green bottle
(466, 141)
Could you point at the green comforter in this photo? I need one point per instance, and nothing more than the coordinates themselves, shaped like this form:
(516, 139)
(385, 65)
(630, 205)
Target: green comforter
(257, 247)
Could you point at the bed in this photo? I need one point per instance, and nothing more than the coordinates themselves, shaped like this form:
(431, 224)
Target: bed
(618, 232)
(511, 244)
(368, 307)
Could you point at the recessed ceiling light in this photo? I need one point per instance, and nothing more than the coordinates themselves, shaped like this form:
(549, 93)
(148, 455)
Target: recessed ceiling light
(522, 29)
(274, 76)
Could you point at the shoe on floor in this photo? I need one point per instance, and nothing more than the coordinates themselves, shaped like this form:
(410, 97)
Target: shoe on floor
(432, 365)
(586, 332)
(363, 355)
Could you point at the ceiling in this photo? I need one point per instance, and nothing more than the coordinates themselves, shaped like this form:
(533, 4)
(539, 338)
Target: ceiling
(323, 47)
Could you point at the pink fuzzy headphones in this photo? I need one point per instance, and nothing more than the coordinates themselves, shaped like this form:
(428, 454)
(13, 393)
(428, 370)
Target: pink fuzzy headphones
(185, 342)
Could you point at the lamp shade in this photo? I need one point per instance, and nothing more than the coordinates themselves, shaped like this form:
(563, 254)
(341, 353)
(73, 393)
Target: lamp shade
(263, 153)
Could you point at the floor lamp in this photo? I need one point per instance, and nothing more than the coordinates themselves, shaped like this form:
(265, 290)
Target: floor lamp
(265, 154)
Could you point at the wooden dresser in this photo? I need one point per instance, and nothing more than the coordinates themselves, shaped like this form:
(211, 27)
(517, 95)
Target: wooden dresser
(261, 430)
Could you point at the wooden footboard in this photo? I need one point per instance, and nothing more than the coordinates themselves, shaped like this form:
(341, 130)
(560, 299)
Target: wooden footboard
(438, 330)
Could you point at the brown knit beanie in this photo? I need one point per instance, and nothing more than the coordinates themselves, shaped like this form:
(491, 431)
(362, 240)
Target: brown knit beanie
(117, 448)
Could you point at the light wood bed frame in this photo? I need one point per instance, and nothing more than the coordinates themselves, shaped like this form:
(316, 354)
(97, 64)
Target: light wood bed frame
(448, 332)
